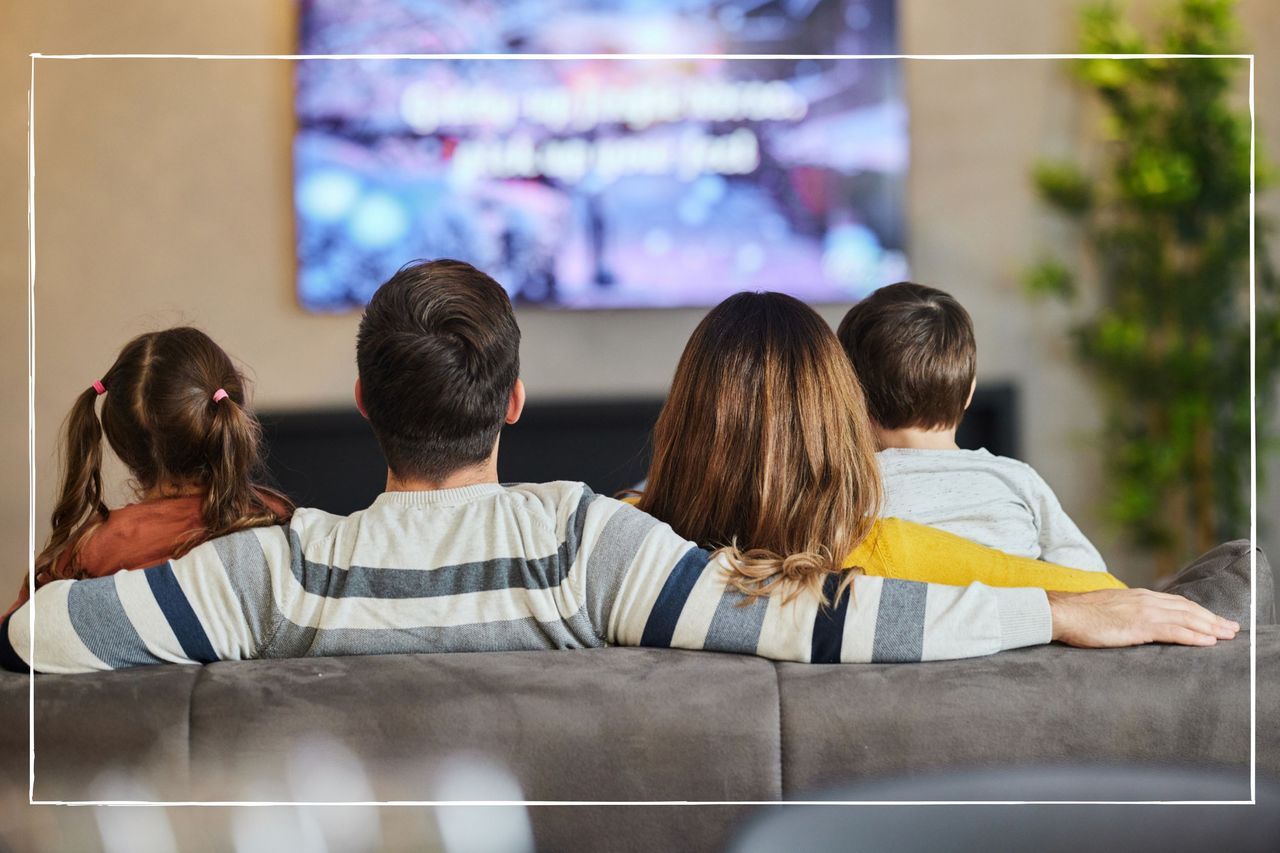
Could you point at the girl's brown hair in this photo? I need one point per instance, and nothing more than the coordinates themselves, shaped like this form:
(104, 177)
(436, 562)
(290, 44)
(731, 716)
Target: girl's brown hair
(160, 418)
(764, 449)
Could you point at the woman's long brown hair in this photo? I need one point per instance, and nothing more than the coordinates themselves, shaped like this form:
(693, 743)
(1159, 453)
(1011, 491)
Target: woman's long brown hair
(160, 418)
(764, 449)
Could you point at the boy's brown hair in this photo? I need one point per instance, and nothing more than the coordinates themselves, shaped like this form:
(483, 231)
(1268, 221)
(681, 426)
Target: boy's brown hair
(438, 353)
(914, 352)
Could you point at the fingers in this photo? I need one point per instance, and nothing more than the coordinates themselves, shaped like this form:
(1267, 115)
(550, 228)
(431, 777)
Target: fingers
(1205, 620)
(1182, 636)
(1193, 619)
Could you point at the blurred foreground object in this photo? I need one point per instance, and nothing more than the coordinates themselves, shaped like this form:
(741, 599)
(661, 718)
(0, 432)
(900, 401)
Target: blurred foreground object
(1007, 823)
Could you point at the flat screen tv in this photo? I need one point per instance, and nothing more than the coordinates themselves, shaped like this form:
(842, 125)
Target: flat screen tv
(602, 183)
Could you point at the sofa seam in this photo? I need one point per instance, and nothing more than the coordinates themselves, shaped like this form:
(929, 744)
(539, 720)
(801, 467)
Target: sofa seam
(777, 690)
(191, 704)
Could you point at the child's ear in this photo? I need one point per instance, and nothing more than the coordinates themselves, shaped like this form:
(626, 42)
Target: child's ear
(515, 403)
(360, 400)
(972, 387)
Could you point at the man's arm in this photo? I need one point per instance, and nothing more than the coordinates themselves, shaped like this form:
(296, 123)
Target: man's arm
(657, 589)
(215, 603)
(654, 588)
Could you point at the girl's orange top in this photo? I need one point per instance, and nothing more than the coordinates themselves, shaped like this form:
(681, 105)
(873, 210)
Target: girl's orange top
(137, 536)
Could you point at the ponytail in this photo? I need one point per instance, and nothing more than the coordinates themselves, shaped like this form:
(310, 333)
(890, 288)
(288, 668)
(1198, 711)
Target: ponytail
(80, 500)
(759, 573)
(174, 433)
(233, 447)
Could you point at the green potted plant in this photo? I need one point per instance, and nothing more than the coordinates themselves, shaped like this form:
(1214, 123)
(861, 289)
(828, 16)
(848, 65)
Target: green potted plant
(1164, 227)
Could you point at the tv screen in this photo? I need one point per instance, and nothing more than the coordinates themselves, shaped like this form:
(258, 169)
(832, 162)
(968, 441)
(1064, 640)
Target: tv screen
(600, 183)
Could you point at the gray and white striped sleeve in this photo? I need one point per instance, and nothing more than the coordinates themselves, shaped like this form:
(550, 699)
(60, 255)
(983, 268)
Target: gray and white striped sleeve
(674, 595)
(215, 603)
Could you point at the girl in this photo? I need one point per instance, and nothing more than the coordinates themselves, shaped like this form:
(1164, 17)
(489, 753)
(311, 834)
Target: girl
(764, 449)
(173, 410)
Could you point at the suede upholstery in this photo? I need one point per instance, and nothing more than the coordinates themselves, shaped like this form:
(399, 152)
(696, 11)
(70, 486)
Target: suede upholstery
(1162, 704)
(633, 724)
(637, 724)
(547, 713)
(1219, 579)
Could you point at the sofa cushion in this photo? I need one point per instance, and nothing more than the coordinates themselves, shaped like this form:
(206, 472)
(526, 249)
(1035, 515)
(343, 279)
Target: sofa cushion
(1045, 704)
(131, 723)
(594, 724)
(1219, 580)
(628, 724)
(612, 724)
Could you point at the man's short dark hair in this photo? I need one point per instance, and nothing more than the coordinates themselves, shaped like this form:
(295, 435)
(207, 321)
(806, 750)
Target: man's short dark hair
(438, 353)
(914, 352)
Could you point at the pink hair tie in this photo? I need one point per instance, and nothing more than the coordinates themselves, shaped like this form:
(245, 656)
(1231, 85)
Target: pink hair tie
(220, 395)
(99, 387)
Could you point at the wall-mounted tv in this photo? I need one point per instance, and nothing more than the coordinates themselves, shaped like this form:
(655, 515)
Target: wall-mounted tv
(595, 183)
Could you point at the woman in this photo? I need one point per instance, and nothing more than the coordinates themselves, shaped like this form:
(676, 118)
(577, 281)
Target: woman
(764, 450)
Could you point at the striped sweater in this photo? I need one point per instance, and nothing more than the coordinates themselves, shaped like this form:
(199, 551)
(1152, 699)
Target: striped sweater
(488, 568)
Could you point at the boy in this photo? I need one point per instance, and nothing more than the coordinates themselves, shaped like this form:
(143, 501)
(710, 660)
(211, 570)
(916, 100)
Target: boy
(914, 352)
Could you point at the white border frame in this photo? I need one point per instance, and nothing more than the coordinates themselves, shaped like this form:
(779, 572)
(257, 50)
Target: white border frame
(31, 410)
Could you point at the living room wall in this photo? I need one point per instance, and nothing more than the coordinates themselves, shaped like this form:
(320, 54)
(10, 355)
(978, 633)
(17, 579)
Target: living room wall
(164, 195)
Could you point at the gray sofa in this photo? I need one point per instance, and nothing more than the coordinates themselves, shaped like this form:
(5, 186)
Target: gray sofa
(619, 724)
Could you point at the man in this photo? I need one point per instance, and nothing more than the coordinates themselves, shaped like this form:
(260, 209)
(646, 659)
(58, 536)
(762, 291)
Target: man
(446, 559)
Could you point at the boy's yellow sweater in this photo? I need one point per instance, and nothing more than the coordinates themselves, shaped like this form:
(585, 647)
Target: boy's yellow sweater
(901, 549)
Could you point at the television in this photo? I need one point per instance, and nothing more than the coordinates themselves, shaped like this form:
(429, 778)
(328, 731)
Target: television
(584, 183)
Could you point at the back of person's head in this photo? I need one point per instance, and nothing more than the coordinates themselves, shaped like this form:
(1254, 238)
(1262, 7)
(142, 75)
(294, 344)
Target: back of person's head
(913, 350)
(764, 447)
(174, 412)
(438, 353)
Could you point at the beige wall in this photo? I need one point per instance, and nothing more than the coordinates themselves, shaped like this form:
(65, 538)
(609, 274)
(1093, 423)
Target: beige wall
(164, 195)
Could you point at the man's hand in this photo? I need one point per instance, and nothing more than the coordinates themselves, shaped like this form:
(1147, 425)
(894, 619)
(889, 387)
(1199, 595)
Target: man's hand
(1111, 618)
